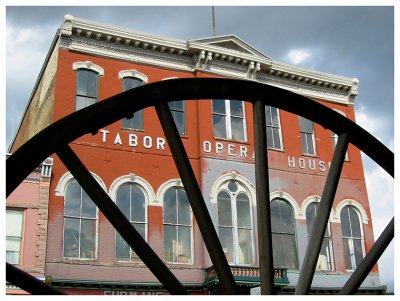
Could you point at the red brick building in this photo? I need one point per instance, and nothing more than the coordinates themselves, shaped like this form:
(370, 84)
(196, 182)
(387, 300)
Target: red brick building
(89, 62)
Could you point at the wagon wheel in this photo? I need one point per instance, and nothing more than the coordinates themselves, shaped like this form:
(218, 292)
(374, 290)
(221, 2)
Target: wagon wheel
(56, 137)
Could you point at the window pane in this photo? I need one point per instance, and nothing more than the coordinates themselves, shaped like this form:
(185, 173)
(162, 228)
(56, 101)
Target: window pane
(224, 209)
(14, 220)
(226, 239)
(306, 126)
(73, 199)
(324, 261)
(130, 82)
(288, 251)
(13, 249)
(310, 144)
(218, 106)
(219, 124)
(183, 208)
(184, 245)
(348, 253)
(71, 237)
(345, 222)
(245, 246)
(277, 250)
(282, 219)
(277, 140)
(310, 216)
(80, 102)
(243, 211)
(169, 206)
(270, 139)
(274, 117)
(237, 128)
(236, 108)
(88, 238)
(122, 248)
(304, 147)
(134, 123)
(179, 118)
(89, 209)
(355, 223)
(170, 243)
(268, 117)
(138, 210)
(123, 200)
(177, 105)
(87, 83)
(358, 253)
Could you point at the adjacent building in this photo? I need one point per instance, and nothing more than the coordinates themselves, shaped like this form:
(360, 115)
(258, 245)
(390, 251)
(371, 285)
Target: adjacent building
(89, 62)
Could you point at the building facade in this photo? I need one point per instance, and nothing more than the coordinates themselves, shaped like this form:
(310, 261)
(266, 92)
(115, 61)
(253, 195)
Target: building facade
(26, 224)
(131, 160)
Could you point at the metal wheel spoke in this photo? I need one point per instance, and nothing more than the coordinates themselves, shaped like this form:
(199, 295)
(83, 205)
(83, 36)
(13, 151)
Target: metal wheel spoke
(196, 200)
(263, 202)
(365, 266)
(119, 221)
(29, 283)
(323, 212)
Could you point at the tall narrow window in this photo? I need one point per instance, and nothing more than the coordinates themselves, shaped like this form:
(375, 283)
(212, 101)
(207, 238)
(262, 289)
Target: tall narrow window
(229, 120)
(80, 223)
(307, 136)
(274, 136)
(87, 83)
(283, 235)
(177, 226)
(136, 122)
(178, 113)
(235, 228)
(14, 224)
(325, 254)
(131, 200)
(352, 237)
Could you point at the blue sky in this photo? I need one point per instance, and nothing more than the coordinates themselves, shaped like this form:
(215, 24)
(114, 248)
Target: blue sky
(351, 41)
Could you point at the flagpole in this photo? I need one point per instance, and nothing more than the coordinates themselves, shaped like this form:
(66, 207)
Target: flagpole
(213, 19)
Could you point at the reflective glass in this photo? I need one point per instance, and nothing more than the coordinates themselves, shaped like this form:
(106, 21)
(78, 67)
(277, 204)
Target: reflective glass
(169, 207)
(123, 200)
(131, 82)
(243, 210)
(170, 243)
(89, 209)
(218, 106)
(277, 140)
(219, 125)
(306, 126)
(345, 222)
(236, 108)
(224, 209)
(73, 199)
(245, 246)
(226, 238)
(183, 208)
(355, 223)
(88, 238)
(179, 118)
(184, 244)
(237, 128)
(71, 237)
(138, 204)
(122, 249)
(87, 83)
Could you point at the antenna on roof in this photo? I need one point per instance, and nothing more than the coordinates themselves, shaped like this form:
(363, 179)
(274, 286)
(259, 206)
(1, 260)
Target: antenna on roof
(213, 19)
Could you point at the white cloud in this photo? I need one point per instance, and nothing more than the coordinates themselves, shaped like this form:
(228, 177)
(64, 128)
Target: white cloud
(299, 56)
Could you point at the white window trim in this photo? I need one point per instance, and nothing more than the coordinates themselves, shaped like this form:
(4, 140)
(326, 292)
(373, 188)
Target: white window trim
(88, 65)
(160, 202)
(308, 201)
(361, 211)
(280, 131)
(65, 178)
(228, 122)
(133, 73)
(297, 213)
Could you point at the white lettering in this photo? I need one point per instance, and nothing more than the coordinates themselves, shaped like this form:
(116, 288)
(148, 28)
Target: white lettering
(231, 150)
(207, 146)
(104, 132)
(160, 143)
(133, 140)
(302, 163)
(322, 166)
(218, 147)
(147, 142)
(311, 164)
(291, 162)
(117, 139)
(243, 151)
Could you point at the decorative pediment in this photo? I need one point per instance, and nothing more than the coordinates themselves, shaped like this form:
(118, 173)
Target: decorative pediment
(228, 43)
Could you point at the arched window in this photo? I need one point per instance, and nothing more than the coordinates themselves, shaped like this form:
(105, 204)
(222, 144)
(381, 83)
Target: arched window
(131, 201)
(177, 226)
(283, 235)
(80, 223)
(87, 83)
(132, 79)
(352, 235)
(325, 254)
(235, 227)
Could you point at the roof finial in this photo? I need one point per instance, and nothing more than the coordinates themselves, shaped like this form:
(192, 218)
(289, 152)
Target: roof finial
(213, 19)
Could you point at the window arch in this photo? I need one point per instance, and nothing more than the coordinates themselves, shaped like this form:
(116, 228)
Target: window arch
(131, 200)
(352, 235)
(325, 258)
(177, 226)
(283, 234)
(80, 223)
(235, 223)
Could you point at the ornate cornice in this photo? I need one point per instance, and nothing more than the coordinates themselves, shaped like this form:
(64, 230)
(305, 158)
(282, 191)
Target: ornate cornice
(225, 56)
